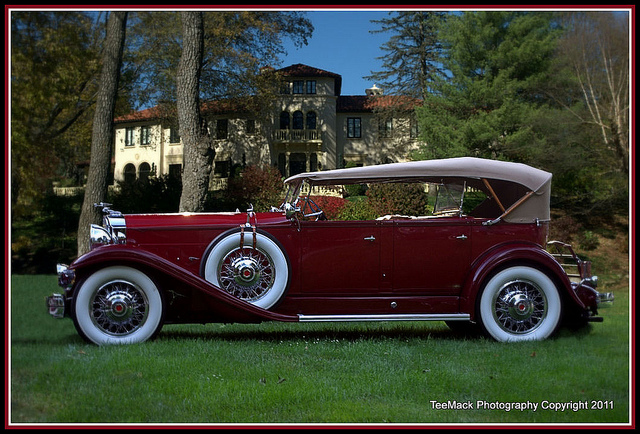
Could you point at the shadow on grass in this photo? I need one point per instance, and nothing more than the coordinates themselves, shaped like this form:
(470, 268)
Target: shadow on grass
(345, 333)
(303, 333)
(292, 332)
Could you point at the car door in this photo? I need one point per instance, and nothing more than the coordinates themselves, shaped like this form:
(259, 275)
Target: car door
(431, 256)
(340, 258)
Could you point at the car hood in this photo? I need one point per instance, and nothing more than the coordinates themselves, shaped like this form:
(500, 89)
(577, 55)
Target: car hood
(195, 220)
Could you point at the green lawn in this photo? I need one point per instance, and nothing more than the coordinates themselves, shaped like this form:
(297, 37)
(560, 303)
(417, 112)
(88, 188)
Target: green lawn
(381, 373)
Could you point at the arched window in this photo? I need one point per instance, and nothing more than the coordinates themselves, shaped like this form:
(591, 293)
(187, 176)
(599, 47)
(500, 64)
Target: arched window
(298, 120)
(145, 171)
(311, 120)
(129, 173)
(284, 121)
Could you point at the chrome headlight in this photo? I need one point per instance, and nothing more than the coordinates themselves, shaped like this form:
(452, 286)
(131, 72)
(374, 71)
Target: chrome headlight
(66, 276)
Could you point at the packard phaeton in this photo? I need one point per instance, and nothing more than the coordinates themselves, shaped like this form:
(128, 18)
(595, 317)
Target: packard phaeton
(489, 267)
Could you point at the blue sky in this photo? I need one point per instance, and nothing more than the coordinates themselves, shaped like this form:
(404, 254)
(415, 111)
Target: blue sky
(341, 43)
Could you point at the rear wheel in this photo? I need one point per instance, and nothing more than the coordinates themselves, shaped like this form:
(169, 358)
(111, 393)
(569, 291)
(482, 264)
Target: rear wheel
(519, 304)
(118, 305)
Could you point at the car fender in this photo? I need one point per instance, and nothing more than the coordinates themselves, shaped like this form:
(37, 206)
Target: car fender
(505, 255)
(229, 306)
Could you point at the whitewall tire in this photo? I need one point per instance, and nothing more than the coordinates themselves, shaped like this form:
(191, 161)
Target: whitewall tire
(258, 276)
(520, 304)
(118, 305)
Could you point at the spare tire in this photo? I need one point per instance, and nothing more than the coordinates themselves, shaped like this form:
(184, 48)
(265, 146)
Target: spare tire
(256, 274)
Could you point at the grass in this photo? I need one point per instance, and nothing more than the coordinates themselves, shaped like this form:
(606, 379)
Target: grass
(377, 373)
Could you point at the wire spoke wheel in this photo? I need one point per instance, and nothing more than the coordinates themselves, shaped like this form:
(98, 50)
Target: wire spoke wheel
(252, 268)
(520, 307)
(519, 303)
(118, 305)
(119, 308)
(247, 273)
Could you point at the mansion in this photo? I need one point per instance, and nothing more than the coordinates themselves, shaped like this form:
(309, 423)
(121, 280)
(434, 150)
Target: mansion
(311, 127)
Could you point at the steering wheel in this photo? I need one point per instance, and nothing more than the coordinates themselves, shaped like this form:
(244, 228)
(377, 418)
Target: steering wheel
(315, 210)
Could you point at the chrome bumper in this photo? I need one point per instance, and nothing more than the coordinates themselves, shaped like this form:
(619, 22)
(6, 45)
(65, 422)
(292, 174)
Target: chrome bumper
(605, 298)
(56, 304)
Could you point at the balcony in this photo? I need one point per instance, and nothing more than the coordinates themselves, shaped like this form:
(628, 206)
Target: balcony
(297, 136)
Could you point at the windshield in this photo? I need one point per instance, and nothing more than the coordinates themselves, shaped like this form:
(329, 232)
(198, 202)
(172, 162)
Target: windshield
(449, 199)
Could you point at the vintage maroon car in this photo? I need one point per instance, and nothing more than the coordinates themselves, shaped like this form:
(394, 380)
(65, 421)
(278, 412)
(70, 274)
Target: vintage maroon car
(488, 267)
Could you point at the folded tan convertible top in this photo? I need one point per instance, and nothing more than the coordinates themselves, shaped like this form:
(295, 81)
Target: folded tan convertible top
(522, 192)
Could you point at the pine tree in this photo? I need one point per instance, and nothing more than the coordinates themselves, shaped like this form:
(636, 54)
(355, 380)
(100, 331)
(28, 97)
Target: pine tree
(412, 61)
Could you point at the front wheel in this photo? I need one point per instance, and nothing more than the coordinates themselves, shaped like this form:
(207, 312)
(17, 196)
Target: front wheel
(520, 304)
(118, 305)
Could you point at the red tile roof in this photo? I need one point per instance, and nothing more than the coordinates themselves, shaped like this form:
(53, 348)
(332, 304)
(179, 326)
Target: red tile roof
(168, 112)
(157, 112)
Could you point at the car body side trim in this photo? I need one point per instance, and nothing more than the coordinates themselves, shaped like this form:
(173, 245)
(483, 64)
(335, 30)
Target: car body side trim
(386, 317)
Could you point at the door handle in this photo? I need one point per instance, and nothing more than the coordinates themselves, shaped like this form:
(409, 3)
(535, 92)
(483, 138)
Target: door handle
(371, 238)
(461, 237)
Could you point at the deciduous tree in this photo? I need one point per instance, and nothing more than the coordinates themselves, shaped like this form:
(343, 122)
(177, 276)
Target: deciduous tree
(198, 151)
(102, 134)
(54, 65)
(220, 58)
(595, 49)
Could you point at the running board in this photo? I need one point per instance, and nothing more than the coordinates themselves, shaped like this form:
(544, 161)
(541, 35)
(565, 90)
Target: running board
(386, 317)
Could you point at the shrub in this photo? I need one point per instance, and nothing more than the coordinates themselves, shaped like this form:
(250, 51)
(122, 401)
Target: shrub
(589, 240)
(405, 199)
(352, 190)
(331, 206)
(563, 228)
(357, 210)
(155, 194)
(46, 237)
(260, 186)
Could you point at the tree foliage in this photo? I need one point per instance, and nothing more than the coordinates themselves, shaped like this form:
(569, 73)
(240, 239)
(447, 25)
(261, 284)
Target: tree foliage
(49, 94)
(413, 50)
(236, 45)
(496, 63)
(594, 60)
(220, 55)
(520, 87)
(56, 59)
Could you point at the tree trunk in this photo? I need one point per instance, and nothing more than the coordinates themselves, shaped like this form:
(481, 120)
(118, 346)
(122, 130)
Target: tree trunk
(198, 152)
(102, 134)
